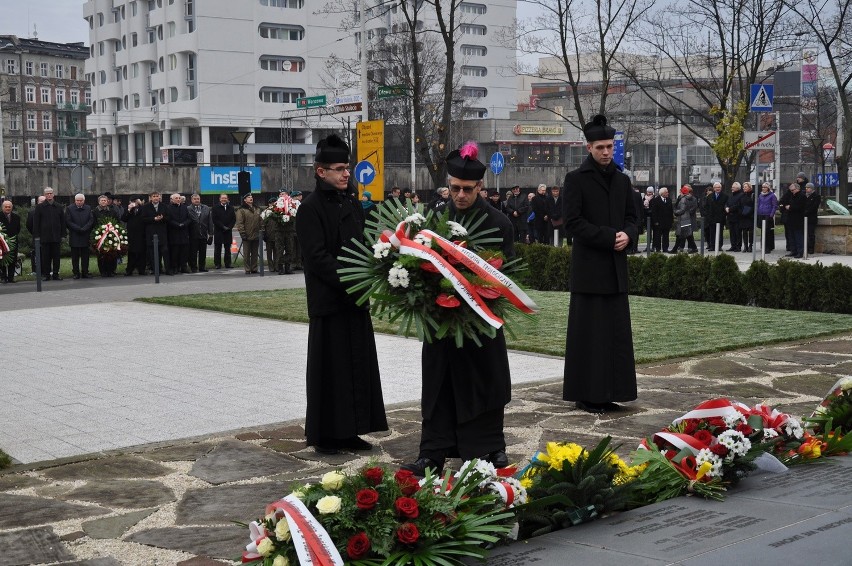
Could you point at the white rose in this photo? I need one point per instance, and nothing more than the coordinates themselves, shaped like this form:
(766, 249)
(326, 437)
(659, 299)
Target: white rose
(282, 530)
(265, 547)
(280, 561)
(328, 505)
(332, 481)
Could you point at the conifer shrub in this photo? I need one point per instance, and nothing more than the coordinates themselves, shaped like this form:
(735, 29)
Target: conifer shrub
(725, 283)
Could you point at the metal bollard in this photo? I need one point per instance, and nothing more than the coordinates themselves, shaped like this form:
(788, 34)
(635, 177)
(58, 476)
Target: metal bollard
(763, 239)
(156, 258)
(37, 251)
(718, 238)
(259, 252)
(805, 240)
(648, 238)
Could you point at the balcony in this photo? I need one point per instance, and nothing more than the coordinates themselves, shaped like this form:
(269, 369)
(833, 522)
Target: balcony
(69, 107)
(71, 133)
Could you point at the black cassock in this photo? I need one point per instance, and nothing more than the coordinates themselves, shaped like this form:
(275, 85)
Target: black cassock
(344, 391)
(599, 362)
(466, 389)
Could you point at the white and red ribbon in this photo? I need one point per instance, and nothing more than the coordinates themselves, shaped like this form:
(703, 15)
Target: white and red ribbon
(110, 229)
(714, 408)
(313, 543)
(408, 246)
(505, 491)
(4, 246)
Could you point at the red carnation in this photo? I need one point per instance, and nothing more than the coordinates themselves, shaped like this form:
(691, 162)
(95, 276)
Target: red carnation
(745, 429)
(407, 507)
(447, 301)
(703, 436)
(719, 450)
(690, 426)
(358, 546)
(374, 475)
(717, 422)
(366, 498)
(407, 533)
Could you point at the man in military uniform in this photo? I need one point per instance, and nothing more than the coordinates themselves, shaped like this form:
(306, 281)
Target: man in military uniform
(271, 228)
(292, 254)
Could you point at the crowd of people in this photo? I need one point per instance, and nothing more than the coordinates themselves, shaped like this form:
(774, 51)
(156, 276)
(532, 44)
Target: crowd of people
(734, 211)
(172, 237)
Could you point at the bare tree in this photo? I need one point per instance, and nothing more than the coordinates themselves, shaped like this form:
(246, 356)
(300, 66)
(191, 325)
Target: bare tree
(701, 56)
(827, 23)
(579, 41)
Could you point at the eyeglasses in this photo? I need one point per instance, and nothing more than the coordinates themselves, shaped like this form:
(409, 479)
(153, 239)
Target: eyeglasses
(338, 169)
(467, 190)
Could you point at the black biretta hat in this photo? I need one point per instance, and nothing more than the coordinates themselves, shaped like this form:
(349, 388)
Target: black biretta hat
(463, 163)
(598, 129)
(332, 150)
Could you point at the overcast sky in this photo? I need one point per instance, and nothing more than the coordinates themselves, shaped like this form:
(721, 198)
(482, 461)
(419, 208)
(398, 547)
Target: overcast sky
(60, 21)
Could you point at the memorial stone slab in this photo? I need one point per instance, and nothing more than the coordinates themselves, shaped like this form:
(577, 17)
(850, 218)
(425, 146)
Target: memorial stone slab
(26, 510)
(661, 371)
(551, 550)
(808, 384)
(216, 542)
(641, 425)
(668, 400)
(114, 527)
(132, 494)
(201, 561)
(31, 546)
(234, 460)
(401, 426)
(218, 505)
(798, 357)
(524, 418)
(402, 447)
(825, 485)
(573, 420)
(111, 467)
(333, 460)
(818, 540)
(284, 446)
(180, 453)
(722, 368)
(685, 527)
(294, 432)
(414, 415)
(676, 384)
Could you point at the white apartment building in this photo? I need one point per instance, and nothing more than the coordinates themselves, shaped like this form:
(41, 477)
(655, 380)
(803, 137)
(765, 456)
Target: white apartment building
(187, 73)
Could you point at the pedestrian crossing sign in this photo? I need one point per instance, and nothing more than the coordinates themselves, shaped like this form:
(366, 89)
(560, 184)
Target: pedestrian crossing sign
(761, 97)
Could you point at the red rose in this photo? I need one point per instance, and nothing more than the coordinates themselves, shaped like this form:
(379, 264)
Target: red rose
(703, 436)
(401, 475)
(407, 533)
(366, 498)
(407, 507)
(441, 518)
(374, 476)
(745, 429)
(408, 484)
(358, 546)
(690, 426)
(717, 422)
(719, 450)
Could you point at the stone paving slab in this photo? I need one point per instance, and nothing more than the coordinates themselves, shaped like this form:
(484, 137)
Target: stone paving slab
(824, 485)
(217, 542)
(31, 546)
(233, 460)
(124, 494)
(114, 527)
(26, 510)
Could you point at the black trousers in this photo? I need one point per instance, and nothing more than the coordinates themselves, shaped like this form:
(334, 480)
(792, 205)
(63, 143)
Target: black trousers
(770, 231)
(747, 237)
(7, 271)
(80, 260)
(163, 250)
(50, 258)
(660, 238)
(812, 224)
(179, 255)
(710, 235)
(107, 266)
(734, 227)
(222, 239)
(442, 436)
(197, 254)
(135, 260)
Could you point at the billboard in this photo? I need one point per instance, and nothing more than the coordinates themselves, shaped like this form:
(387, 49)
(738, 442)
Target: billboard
(216, 180)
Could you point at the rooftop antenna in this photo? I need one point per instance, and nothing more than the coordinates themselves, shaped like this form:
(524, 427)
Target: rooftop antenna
(35, 31)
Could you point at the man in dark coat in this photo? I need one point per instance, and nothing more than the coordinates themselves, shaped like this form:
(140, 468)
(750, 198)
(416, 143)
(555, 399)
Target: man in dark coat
(344, 391)
(200, 233)
(640, 219)
(224, 219)
(539, 208)
(80, 221)
(156, 223)
(734, 210)
(812, 200)
(465, 390)
(796, 220)
(179, 222)
(132, 217)
(103, 213)
(556, 217)
(12, 227)
(601, 216)
(662, 216)
(714, 208)
(49, 225)
(518, 210)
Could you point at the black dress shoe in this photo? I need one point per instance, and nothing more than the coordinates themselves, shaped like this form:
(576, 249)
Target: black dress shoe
(57, 278)
(75, 276)
(86, 276)
(419, 467)
(355, 443)
(327, 450)
(611, 407)
(589, 407)
(203, 270)
(498, 458)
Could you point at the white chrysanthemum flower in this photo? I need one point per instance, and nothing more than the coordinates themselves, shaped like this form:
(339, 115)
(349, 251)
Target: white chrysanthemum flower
(483, 468)
(736, 442)
(456, 229)
(769, 433)
(398, 276)
(731, 421)
(415, 218)
(793, 428)
(381, 249)
(422, 240)
(704, 455)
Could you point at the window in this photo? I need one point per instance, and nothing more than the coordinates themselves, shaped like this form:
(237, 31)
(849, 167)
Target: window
(60, 71)
(468, 8)
(14, 152)
(45, 95)
(160, 64)
(101, 48)
(476, 113)
(118, 106)
(173, 94)
(75, 97)
(100, 19)
(135, 100)
(296, 4)
(90, 152)
(13, 93)
(32, 151)
(14, 123)
(31, 121)
(474, 50)
(45, 121)
(30, 94)
(160, 33)
(471, 71)
(73, 72)
(48, 151)
(43, 69)
(60, 96)
(474, 92)
(189, 8)
(103, 77)
(116, 46)
(473, 29)
(283, 32)
(60, 123)
(285, 64)
(28, 68)
(134, 8)
(134, 39)
(134, 70)
(172, 62)
(12, 66)
(172, 29)
(280, 95)
(88, 98)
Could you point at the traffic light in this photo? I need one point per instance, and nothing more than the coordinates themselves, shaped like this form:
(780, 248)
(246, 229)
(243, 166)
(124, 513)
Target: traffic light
(244, 182)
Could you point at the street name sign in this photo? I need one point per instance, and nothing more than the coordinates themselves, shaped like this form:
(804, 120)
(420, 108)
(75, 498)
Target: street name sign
(312, 102)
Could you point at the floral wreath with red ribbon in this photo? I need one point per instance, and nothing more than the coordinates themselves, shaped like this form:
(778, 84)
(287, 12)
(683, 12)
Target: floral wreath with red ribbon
(6, 244)
(438, 278)
(109, 238)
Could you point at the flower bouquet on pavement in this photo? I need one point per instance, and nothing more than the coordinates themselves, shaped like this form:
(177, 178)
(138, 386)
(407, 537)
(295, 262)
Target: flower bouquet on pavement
(831, 422)
(436, 277)
(109, 238)
(284, 210)
(714, 446)
(6, 244)
(378, 517)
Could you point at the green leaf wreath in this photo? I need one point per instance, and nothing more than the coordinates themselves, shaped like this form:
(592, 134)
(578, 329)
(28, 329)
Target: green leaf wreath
(405, 289)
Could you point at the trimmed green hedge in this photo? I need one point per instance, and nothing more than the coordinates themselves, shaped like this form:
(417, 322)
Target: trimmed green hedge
(788, 285)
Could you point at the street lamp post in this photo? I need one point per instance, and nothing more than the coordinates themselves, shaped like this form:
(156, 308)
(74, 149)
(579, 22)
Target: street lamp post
(657, 143)
(244, 177)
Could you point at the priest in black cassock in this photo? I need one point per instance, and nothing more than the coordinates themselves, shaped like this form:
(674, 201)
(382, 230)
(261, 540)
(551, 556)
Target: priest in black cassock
(600, 214)
(465, 390)
(344, 392)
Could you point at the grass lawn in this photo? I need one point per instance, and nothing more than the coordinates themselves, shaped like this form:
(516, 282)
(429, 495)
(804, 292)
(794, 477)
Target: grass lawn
(662, 328)
(66, 272)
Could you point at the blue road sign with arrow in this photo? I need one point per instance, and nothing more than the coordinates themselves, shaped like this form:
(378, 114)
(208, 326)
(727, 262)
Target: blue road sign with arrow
(761, 97)
(497, 163)
(365, 173)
